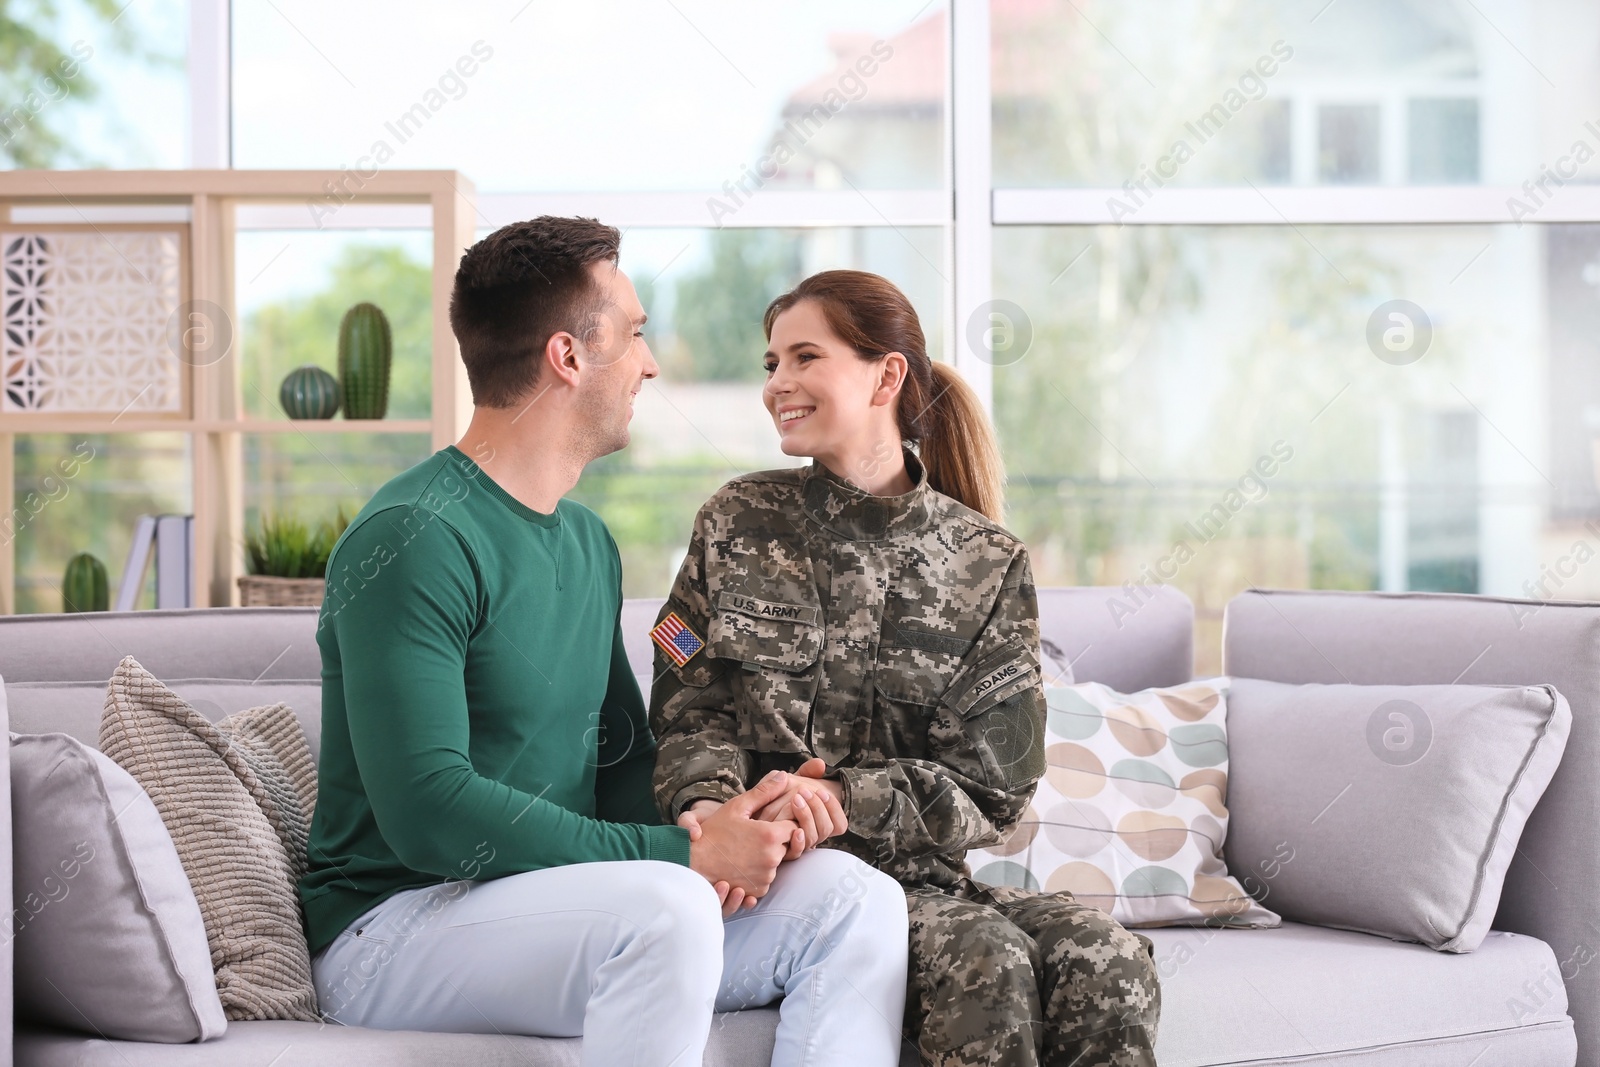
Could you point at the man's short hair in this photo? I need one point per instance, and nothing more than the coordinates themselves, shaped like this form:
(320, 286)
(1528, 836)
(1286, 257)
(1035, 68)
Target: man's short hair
(518, 287)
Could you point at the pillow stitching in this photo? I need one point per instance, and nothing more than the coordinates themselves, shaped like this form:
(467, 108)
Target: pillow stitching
(1499, 818)
(144, 896)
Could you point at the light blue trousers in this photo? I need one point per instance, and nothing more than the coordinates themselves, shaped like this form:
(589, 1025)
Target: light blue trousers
(634, 957)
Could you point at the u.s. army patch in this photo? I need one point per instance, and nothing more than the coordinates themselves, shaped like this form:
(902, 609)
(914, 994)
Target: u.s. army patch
(673, 636)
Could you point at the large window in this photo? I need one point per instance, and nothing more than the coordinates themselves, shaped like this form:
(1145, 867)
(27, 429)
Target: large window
(613, 95)
(1309, 289)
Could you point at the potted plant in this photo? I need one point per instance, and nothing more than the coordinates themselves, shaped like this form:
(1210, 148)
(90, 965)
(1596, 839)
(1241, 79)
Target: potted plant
(288, 561)
(84, 587)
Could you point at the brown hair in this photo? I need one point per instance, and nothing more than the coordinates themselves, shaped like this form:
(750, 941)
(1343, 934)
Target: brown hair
(938, 412)
(517, 288)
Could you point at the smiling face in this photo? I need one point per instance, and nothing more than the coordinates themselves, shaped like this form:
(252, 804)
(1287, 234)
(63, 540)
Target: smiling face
(825, 400)
(616, 361)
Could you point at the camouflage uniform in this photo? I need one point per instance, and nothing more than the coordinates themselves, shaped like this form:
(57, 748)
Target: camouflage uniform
(896, 638)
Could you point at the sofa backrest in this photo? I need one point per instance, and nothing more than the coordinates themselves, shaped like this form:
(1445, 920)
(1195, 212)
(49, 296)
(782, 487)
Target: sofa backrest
(55, 667)
(1552, 890)
(1129, 644)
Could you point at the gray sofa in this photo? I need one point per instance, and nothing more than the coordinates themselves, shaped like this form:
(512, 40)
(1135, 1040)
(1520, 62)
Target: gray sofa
(1295, 995)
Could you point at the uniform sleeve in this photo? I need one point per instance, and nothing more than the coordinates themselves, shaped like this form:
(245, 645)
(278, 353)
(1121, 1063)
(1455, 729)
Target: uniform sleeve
(692, 707)
(627, 755)
(985, 751)
(402, 639)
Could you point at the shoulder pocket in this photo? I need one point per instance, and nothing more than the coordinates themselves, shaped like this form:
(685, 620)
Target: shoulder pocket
(764, 633)
(1009, 670)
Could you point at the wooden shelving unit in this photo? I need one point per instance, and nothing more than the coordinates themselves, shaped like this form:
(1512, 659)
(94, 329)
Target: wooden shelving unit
(212, 408)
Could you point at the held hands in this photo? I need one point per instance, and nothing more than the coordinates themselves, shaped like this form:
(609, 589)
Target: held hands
(806, 803)
(736, 852)
(815, 803)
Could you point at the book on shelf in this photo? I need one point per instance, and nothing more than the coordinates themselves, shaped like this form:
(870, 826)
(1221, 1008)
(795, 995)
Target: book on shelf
(169, 541)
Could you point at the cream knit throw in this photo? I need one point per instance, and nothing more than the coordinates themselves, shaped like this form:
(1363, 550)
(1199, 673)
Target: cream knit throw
(237, 797)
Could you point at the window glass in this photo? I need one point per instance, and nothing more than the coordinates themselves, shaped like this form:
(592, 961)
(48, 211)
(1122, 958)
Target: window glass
(1355, 407)
(293, 288)
(94, 83)
(1289, 91)
(312, 476)
(696, 94)
(1443, 141)
(1348, 140)
(84, 493)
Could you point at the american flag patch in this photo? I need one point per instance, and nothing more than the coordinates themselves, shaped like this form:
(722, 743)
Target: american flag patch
(675, 638)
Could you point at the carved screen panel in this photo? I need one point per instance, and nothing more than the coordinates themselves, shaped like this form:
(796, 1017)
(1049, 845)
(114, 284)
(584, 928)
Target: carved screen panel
(91, 323)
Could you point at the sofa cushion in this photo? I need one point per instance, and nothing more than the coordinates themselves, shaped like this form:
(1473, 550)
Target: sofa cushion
(1303, 994)
(237, 797)
(1385, 808)
(1131, 814)
(107, 935)
(1294, 995)
(738, 1039)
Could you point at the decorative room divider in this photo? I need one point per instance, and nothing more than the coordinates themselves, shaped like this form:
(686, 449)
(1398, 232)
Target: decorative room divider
(114, 324)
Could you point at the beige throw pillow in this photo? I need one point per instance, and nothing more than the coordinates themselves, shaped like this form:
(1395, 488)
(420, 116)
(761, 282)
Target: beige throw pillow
(237, 798)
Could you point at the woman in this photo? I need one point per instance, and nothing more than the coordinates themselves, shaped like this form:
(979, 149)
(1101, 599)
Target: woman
(867, 623)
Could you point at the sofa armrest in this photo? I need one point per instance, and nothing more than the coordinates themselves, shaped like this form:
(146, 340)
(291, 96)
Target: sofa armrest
(7, 977)
(1552, 889)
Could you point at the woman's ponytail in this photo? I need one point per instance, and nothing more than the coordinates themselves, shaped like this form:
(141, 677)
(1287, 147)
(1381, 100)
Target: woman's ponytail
(938, 412)
(959, 448)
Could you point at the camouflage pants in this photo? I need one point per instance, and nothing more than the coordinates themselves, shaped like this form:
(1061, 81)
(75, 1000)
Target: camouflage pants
(1003, 977)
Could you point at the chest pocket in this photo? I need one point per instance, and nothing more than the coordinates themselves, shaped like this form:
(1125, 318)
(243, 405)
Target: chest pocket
(916, 665)
(765, 634)
(773, 647)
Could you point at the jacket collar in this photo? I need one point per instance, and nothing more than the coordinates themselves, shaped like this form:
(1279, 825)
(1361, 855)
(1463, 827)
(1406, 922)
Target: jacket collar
(857, 515)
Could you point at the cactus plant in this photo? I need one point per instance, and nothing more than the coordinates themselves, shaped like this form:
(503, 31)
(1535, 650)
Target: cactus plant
(84, 587)
(309, 392)
(365, 349)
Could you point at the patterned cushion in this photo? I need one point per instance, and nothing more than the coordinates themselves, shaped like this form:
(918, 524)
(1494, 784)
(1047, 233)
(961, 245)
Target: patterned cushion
(1131, 814)
(237, 797)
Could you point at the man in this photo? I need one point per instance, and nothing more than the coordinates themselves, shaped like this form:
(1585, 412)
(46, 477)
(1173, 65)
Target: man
(485, 854)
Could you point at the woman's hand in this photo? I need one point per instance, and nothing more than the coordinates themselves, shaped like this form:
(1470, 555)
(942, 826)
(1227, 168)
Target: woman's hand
(812, 801)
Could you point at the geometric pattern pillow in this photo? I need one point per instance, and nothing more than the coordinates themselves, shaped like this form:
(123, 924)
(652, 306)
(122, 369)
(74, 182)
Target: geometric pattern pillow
(1132, 812)
(237, 797)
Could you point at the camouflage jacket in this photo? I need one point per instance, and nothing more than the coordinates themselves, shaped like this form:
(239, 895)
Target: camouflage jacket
(895, 637)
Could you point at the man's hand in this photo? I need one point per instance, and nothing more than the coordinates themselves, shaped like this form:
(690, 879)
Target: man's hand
(730, 897)
(813, 802)
(730, 845)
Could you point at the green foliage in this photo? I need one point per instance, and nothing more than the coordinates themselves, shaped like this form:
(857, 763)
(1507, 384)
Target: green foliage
(279, 337)
(719, 309)
(284, 547)
(41, 77)
(85, 587)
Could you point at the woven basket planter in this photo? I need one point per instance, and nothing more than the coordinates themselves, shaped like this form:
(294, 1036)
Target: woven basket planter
(264, 591)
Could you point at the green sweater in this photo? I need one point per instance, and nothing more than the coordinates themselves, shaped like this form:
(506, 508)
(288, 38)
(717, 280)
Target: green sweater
(479, 717)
